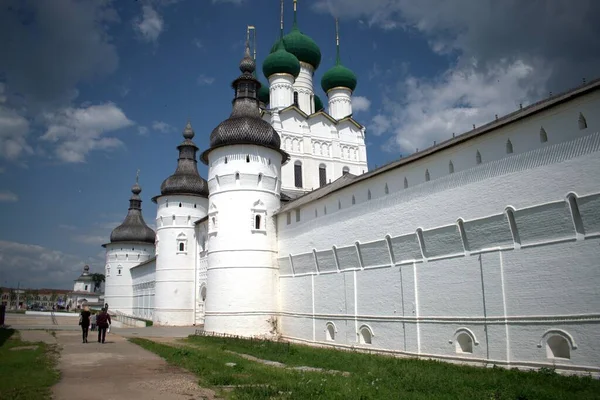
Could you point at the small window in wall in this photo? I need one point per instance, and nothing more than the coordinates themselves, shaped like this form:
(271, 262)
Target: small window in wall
(257, 222)
(237, 177)
(330, 332)
(405, 183)
(464, 343)
(119, 270)
(180, 205)
(181, 243)
(247, 158)
(322, 175)
(296, 99)
(108, 270)
(558, 347)
(339, 204)
(298, 174)
(297, 215)
(427, 176)
(345, 170)
(543, 135)
(451, 167)
(386, 190)
(478, 157)
(260, 176)
(369, 194)
(288, 218)
(353, 200)
(167, 204)
(582, 122)
(225, 160)
(509, 147)
(365, 335)
(86, 286)
(324, 210)
(316, 213)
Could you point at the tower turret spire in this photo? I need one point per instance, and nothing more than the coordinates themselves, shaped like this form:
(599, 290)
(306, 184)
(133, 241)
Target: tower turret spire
(337, 42)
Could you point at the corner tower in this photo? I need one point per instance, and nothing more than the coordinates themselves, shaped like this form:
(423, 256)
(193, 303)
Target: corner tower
(244, 176)
(183, 201)
(131, 243)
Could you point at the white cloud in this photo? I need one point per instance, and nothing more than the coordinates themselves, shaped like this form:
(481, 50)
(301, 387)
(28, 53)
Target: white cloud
(14, 129)
(360, 103)
(8, 196)
(142, 130)
(90, 239)
(204, 80)
(76, 131)
(198, 43)
(149, 25)
(162, 127)
(463, 96)
(36, 266)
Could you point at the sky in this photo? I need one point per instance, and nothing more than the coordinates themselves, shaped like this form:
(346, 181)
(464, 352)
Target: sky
(91, 91)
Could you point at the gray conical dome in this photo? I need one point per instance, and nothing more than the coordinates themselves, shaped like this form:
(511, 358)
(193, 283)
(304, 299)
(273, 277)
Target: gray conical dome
(186, 179)
(245, 125)
(134, 228)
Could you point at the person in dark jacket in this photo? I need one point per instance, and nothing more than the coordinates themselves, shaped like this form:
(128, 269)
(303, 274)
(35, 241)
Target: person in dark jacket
(84, 321)
(102, 322)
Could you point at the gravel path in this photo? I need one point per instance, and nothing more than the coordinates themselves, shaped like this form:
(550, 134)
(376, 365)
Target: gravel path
(119, 370)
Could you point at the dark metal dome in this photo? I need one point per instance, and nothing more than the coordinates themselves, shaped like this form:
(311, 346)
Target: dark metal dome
(245, 125)
(186, 179)
(134, 228)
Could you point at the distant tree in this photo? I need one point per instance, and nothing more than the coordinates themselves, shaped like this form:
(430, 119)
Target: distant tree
(53, 297)
(97, 279)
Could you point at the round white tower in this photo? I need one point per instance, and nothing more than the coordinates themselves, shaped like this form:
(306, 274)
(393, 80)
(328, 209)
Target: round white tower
(183, 201)
(244, 162)
(131, 243)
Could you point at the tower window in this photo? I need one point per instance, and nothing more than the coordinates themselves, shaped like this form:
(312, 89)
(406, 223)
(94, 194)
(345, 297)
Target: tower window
(179, 204)
(322, 175)
(582, 122)
(181, 247)
(298, 174)
(86, 286)
(237, 176)
(289, 218)
(345, 170)
(225, 160)
(247, 158)
(543, 135)
(427, 176)
(451, 167)
(509, 147)
(478, 157)
(296, 99)
(405, 183)
(257, 222)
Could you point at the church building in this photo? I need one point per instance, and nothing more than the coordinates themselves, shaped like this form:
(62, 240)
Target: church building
(482, 249)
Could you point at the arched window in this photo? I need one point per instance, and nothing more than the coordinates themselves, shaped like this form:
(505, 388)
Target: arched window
(543, 135)
(405, 183)
(365, 335)
(509, 147)
(464, 343)
(582, 122)
(257, 222)
(345, 170)
(225, 160)
(450, 167)
(330, 332)
(558, 347)
(427, 177)
(339, 204)
(260, 176)
(478, 157)
(289, 218)
(179, 205)
(247, 158)
(237, 176)
(181, 243)
(181, 246)
(296, 99)
(298, 174)
(324, 210)
(322, 175)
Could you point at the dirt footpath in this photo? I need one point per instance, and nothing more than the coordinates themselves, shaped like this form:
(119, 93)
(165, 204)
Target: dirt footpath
(119, 370)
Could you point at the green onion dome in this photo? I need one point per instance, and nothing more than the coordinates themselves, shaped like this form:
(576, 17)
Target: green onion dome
(263, 94)
(318, 104)
(281, 61)
(338, 76)
(303, 47)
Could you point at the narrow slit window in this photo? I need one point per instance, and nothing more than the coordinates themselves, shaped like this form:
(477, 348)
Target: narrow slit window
(451, 167)
(427, 176)
(247, 158)
(181, 247)
(478, 157)
(543, 135)
(582, 122)
(509, 147)
(322, 175)
(296, 99)
(298, 174)
(257, 222)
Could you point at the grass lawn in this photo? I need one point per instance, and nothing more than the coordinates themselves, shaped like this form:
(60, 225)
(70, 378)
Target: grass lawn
(25, 374)
(372, 376)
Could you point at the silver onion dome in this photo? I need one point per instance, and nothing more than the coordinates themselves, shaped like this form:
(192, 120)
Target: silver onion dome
(133, 228)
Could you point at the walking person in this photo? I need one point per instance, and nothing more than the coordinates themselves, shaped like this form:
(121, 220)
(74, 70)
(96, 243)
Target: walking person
(102, 322)
(84, 321)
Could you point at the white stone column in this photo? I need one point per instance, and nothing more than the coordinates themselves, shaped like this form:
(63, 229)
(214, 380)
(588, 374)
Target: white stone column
(281, 89)
(340, 102)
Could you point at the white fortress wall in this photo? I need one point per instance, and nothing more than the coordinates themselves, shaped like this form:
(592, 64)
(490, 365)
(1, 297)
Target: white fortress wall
(491, 262)
(201, 269)
(120, 259)
(143, 282)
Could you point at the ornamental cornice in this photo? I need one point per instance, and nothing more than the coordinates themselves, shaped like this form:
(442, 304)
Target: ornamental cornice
(285, 74)
(340, 100)
(304, 91)
(339, 88)
(281, 85)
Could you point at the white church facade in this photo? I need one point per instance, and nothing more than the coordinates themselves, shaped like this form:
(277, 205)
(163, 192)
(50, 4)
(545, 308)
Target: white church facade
(482, 249)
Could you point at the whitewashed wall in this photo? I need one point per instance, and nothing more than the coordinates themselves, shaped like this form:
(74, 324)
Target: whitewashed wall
(120, 258)
(143, 282)
(201, 271)
(401, 265)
